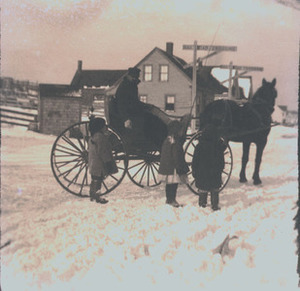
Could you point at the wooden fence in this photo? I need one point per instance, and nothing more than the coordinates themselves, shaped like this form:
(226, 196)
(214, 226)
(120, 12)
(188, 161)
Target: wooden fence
(18, 116)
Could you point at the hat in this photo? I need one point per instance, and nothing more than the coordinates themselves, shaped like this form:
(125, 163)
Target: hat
(134, 72)
(96, 124)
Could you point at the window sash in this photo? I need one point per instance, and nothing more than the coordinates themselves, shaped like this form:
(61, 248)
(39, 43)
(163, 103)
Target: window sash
(143, 98)
(170, 103)
(148, 73)
(163, 73)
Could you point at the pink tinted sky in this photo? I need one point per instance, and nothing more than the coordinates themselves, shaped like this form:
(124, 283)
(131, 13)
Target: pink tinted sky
(42, 40)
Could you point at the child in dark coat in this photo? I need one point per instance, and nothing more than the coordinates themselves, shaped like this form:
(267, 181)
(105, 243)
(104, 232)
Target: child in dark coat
(173, 169)
(100, 158)
(207, 166)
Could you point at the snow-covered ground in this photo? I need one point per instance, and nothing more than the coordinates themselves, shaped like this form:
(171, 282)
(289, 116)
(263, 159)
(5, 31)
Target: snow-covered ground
(136, 241)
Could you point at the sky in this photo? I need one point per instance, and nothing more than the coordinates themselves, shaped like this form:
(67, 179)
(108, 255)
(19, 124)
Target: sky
(42, 40)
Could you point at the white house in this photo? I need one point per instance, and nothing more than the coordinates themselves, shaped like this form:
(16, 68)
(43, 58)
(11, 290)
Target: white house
(279, 114)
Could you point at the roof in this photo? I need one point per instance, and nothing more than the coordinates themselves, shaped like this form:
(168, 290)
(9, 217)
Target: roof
(96, 78)
(57, 90)
(205, 79)
(178, 62)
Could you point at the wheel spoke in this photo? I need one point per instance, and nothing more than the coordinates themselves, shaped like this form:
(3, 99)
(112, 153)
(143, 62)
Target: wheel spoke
(226, 173)
(140, 169)
(148, 175)
(135, 165)
(67, 140)
(68, 151)
(104, 185)
(155, 165)
(120, 168)
(81, 144)
(112, 176)
(142, 177)
(85, 178)
(64, 163)
(74, 180)
(64, 156)
(153, 173)
(67, 172)
(189, 154)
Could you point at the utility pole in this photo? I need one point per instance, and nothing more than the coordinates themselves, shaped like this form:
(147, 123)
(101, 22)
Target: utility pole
(194, 87)
(230, 81)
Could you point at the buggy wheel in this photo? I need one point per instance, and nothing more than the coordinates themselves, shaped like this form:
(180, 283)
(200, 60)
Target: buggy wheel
(69, 160)
(189, 152)
(143, 169)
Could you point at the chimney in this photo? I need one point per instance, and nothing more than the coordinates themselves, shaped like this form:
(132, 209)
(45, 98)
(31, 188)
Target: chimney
(169, 48)
(79, 68)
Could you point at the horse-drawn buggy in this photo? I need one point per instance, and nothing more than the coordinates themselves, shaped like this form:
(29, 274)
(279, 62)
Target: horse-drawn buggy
(69, 155)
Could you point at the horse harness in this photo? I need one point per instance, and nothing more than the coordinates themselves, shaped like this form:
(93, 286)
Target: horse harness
(228, 112)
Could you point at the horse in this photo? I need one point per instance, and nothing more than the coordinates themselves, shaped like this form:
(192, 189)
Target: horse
(247, 123)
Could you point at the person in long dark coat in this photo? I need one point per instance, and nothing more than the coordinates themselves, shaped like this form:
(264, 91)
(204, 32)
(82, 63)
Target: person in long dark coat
(138, 122)
(130, 108)
(173, 169)
(100, 159)
(207, 166)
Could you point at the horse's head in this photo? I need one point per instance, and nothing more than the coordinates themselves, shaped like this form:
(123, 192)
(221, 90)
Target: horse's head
(266, 94)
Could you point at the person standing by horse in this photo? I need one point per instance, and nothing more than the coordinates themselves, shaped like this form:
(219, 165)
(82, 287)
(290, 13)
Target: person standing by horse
(250, 123)
(134, 114)
(207, 166)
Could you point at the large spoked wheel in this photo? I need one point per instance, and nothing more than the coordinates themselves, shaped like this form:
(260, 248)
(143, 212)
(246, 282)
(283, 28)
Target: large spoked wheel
(143, 169)
(189, 152)
(69, 160)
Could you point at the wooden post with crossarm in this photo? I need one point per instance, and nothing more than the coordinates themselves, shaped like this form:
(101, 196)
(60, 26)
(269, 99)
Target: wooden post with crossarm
(212, 50)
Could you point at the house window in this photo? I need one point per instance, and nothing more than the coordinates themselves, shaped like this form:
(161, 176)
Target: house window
(163, 73)
(143, 98)
(170, 103)
(148, 73)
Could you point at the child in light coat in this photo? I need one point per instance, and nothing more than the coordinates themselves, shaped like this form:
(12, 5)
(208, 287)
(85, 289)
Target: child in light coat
(100, 158)
(173, 169)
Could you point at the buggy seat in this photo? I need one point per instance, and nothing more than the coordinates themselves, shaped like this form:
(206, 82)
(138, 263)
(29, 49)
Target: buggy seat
(114, 121)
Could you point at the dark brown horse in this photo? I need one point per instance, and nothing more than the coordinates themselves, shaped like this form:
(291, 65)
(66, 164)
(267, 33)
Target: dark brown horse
(247, 123)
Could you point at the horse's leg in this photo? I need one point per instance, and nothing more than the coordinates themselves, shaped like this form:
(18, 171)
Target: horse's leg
(259, 151)
(245, 158)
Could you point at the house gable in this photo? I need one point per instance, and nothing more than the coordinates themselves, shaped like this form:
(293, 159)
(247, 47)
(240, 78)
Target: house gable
(170, 59)
(178, 84)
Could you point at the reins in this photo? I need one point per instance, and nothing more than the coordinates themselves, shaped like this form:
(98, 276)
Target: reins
(252, 131)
